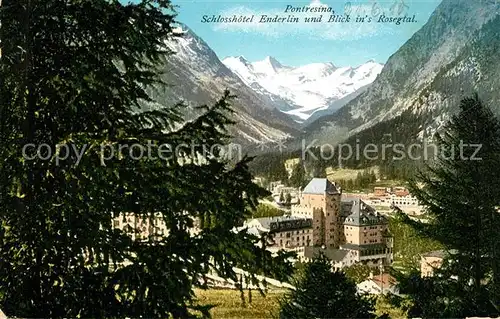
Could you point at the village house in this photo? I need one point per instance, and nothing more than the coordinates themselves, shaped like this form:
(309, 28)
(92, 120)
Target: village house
(397, 196)
(431, 261)
(378, 285)
(146, 227)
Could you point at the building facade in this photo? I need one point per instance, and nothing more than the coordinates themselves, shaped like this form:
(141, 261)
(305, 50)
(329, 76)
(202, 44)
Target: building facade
(321, 200)
(139, 227)
(366, 233)
(431, 261)
(378, 285)
(345, 229)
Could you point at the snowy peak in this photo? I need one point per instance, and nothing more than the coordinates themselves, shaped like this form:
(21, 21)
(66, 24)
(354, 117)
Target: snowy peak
(275, 64)
(316, 70)
(197, 77)
(188, 46)
(305, 89)
(268, 66)
(242, 60)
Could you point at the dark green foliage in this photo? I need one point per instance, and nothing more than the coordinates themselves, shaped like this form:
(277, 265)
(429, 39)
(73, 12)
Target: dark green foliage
(364, 181)
(359, 272)
(401, 130)
(265, 210)
(270, 166)
(76, 73)
(299, 177)
(409, 244)
(322, 293)
(462, 197)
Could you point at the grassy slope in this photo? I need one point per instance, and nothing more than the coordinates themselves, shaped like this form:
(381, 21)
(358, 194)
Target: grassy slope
(228, 304)
(346, 173)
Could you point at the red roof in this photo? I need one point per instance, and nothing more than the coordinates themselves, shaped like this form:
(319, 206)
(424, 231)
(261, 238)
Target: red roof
(385, 279)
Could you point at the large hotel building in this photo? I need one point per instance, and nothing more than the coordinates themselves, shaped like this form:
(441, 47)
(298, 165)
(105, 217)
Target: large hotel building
(347, 229)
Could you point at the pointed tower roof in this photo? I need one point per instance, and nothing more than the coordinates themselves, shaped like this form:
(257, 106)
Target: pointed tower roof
(320, 186)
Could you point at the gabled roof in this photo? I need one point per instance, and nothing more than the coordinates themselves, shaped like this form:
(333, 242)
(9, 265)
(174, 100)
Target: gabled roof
(440, 253)
(358, 213)
(330, 253)
(385, 279)
(320, 186)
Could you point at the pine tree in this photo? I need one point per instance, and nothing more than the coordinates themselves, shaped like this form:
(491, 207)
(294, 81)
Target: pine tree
(323, 293)
(360, 272)
(288, 199)
(298, 178)
(75, 74)
(462, 194)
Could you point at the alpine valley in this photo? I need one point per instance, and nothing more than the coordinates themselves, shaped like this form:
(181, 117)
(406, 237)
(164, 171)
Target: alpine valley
(273, 102)
(308, 91)
(455, 54)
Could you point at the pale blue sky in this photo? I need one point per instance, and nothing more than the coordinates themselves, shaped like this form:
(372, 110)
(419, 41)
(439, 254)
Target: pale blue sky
(297, 44)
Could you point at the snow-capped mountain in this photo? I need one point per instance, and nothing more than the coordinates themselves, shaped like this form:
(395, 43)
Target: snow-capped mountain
(306, 89)
(454, 55)
(196, 76)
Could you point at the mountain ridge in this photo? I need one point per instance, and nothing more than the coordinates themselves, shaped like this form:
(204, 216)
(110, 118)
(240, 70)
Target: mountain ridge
(437, 53)
(304, 89)
(196, 76)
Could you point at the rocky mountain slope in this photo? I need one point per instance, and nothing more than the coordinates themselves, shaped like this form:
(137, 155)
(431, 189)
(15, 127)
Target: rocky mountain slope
(453, 55)
(196, 76)
(305, 90)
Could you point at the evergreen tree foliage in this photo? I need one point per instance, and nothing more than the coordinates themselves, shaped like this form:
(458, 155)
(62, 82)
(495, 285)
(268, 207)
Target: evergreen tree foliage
(360, 272)
(323, 293)
(271, 166)
(288, 199)
(265, 210)
(77, 73)
(298, 177)
(461, 191)
(409, 244)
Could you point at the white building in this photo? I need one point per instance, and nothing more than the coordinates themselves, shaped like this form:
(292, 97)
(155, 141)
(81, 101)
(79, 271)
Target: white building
(340, 258)
(377, 285)
(408, 204)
